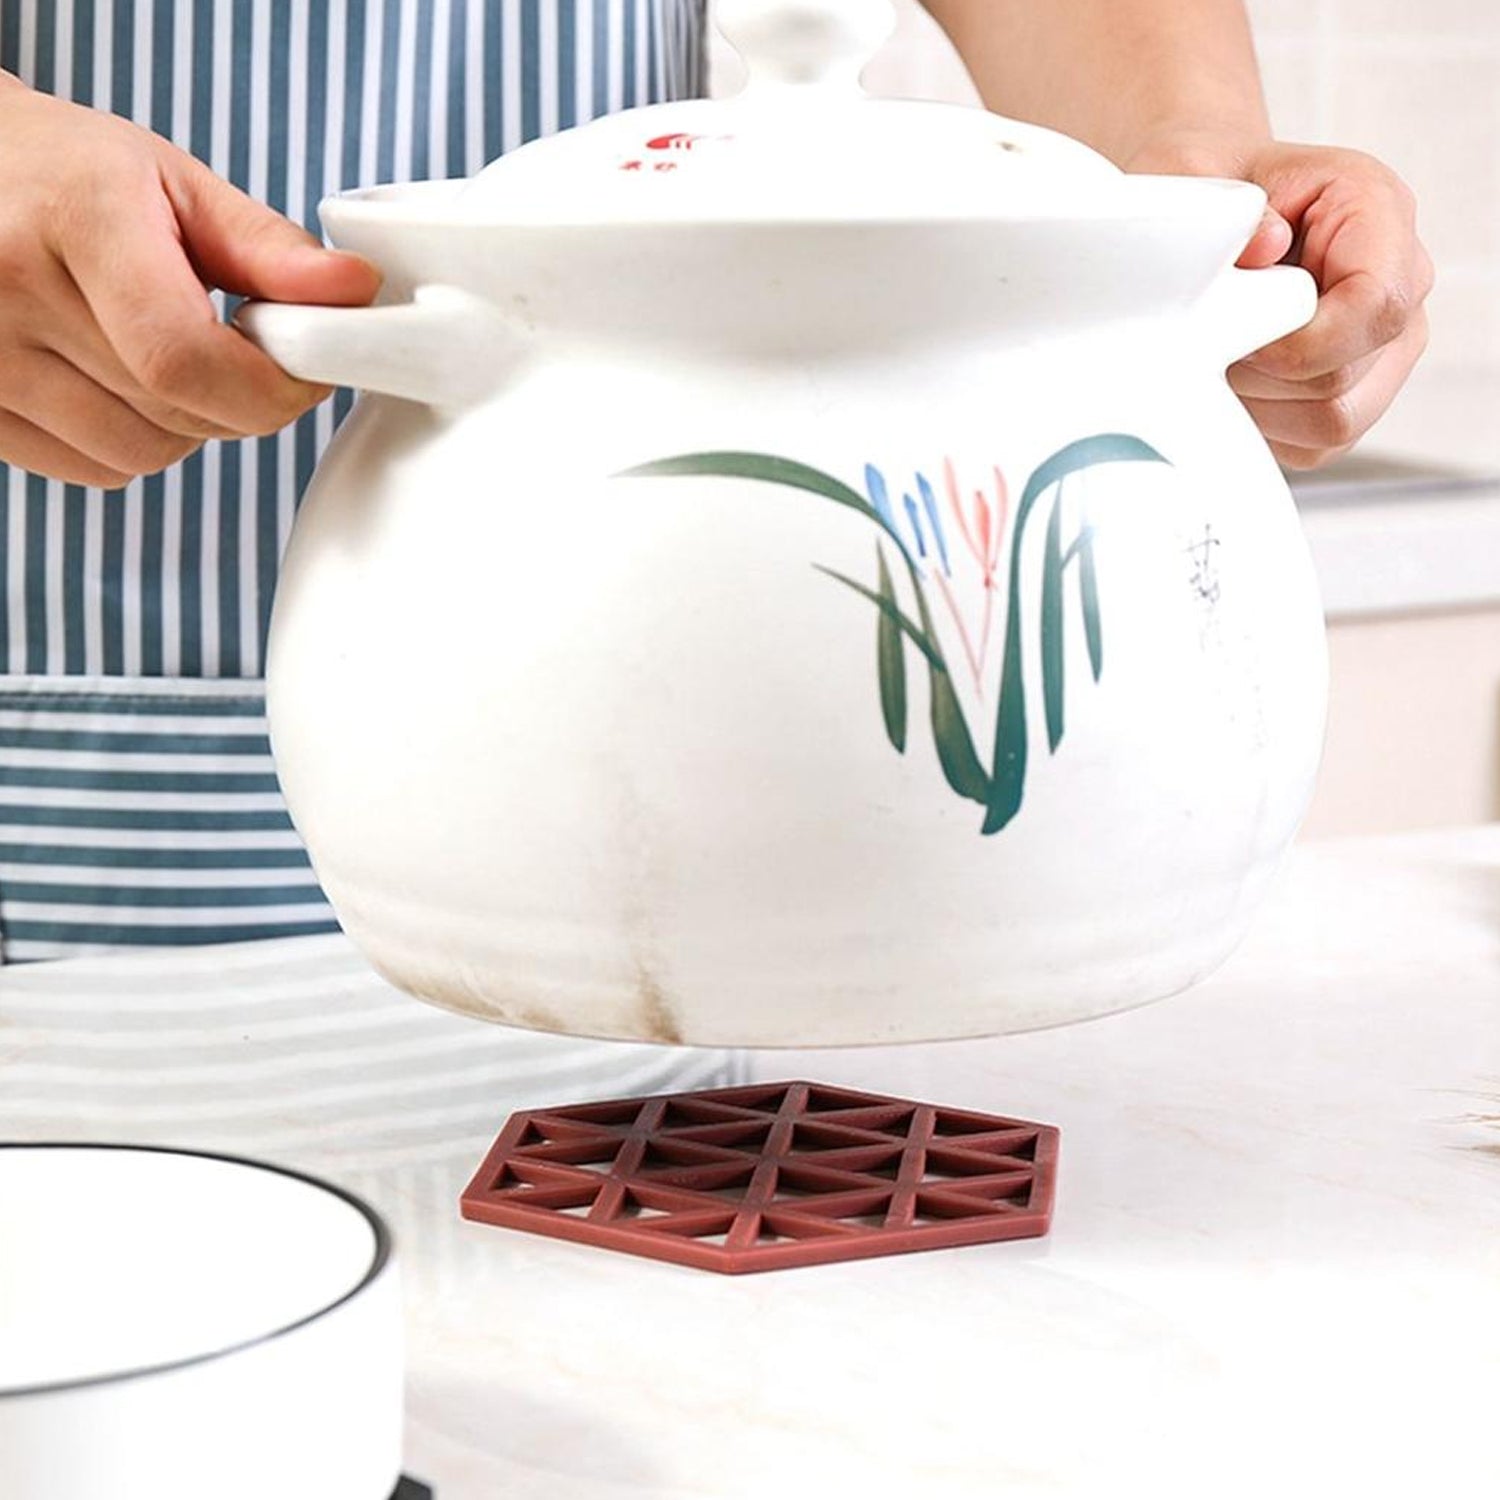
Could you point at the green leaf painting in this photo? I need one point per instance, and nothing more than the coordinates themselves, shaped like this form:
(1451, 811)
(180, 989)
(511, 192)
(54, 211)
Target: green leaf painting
(891, 658)
(959, 560)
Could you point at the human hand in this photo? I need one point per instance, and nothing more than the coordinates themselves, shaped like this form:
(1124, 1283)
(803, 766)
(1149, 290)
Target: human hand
(113, 362)
(1351, 222)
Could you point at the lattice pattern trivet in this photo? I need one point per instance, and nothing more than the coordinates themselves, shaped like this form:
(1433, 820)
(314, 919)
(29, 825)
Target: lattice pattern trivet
(767, 1176)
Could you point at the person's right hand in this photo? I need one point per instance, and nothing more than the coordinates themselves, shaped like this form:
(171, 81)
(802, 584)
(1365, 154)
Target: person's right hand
(113, 361)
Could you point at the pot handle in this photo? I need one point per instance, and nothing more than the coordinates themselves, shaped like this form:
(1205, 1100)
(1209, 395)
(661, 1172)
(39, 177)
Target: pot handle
(443, 348)
(1245, 310)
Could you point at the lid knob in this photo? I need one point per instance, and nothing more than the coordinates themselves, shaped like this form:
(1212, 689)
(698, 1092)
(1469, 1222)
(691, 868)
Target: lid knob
(805, 41)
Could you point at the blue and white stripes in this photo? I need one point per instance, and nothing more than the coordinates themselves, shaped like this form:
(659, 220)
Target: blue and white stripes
(145, 817)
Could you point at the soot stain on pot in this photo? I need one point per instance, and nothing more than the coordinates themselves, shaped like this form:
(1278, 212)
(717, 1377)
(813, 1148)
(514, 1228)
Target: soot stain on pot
(439, 989)
(1488, 1148)
(462, 993)
(477, 999)
(535, 1018)
(644, 880)
(658, 1019)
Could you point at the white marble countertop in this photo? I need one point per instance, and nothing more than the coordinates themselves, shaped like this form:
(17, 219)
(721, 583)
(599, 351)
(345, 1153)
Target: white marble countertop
(1274, 1268)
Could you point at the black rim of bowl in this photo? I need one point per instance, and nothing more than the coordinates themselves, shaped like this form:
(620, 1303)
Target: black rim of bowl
(378, 1263)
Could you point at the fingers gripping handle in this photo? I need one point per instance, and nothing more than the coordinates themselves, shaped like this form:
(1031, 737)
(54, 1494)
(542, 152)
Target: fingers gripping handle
(443, 348)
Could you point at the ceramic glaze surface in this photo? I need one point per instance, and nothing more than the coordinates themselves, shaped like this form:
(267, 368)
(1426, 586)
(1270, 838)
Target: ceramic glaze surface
(734, 637)
(166, 1316)
(204, 1255)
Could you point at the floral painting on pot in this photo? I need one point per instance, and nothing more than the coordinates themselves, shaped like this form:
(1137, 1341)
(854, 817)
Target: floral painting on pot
(958, 598)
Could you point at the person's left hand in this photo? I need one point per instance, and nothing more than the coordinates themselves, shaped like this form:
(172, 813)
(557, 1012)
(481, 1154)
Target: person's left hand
(1351, 222)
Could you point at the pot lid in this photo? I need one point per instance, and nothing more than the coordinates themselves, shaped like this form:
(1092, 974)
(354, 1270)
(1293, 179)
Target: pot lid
(803, 142)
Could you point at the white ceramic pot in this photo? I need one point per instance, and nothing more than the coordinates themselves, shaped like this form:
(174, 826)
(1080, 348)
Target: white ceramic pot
(799, 576)
(176, 1326)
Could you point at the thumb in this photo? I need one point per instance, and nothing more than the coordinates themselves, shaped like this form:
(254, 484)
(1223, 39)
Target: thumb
(1269, 244)
(241, 246)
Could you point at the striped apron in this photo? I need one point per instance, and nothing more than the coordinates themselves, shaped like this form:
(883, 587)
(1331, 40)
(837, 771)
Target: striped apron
(138, 804)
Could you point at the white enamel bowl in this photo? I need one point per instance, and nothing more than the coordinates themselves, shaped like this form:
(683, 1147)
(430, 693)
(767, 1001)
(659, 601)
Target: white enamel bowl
(176, 1326)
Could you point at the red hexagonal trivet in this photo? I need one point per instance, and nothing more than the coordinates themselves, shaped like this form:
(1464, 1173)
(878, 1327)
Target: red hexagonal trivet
(767, 1176)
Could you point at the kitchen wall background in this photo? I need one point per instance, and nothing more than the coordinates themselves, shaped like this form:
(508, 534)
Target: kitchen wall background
(1414, 735)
